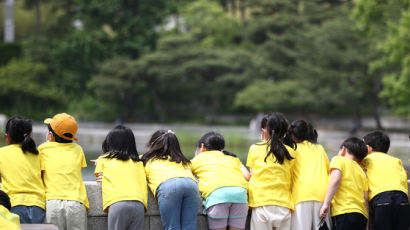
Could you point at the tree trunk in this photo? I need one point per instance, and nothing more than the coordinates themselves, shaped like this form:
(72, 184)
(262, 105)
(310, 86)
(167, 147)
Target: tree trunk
(8, 21)
(242, 9)
(38, 17)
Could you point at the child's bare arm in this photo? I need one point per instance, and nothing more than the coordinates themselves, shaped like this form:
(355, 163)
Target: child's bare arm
(366, 204)
(245, 172)
(335, 178)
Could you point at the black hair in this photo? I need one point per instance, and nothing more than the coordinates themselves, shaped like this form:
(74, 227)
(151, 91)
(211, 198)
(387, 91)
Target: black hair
(303, 131)
(58, 138)
(19, 131)
(5, 200)
(214, 141)
(356, 147)
(379, 141)
(277, 127)
(163, 145)
(120, 144)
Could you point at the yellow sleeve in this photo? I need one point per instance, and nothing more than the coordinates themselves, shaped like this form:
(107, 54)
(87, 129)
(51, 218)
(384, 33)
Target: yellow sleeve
(336, 163)
(83, 162)
(249, 162)
(42, 165)
(100, 166)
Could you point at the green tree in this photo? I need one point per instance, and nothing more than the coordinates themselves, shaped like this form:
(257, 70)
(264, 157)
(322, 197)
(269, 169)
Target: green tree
(26, 89)
(387, 23)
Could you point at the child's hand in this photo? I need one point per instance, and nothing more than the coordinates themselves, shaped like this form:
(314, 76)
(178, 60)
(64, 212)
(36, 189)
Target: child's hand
(323, 210)
(99, 178)
(94, 161)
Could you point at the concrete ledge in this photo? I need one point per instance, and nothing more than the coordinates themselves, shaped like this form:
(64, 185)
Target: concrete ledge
(97, 219)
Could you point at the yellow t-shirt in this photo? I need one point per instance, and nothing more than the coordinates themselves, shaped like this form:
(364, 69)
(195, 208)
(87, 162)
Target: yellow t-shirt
(310, 173)
(270, 183)
(21, 177)
(159, 171)
(215, 170)
(8, 220)
(349, 196)
(122, 180)
(385, 173)
(61, 164)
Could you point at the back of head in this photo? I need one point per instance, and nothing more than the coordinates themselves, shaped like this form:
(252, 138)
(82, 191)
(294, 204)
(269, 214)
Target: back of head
(5, 200)
(379, 141)
(277, 127)
(120, 144)
(19, 131)
(303, 131)
(164, 144)
(356, 147)
(63, 126)
(213, 141)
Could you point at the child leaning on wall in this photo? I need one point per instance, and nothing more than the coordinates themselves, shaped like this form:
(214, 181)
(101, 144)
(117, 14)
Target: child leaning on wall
(348, 188)
(8, 220)
(271, 162)
(61, 163)
(20, 172)
(124, 186)
(310, 176)
(171, 181)
(389, 203)
(222, 183)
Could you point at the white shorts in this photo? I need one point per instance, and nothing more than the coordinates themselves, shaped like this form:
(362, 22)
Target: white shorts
(66, 214)
(270, 217)
(306, 216)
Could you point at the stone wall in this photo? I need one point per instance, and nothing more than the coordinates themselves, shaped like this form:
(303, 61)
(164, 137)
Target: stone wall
(97, 219)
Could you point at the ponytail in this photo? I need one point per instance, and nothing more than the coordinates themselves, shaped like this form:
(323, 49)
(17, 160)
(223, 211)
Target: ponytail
(277, 126)
(228, 153)
(278, 149)
(19, 131)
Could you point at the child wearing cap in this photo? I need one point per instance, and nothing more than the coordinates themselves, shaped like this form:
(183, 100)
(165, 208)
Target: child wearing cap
(8, 220)
(61, 163)
(389, 203)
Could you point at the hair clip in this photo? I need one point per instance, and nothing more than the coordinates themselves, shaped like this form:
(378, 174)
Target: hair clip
(170, 131)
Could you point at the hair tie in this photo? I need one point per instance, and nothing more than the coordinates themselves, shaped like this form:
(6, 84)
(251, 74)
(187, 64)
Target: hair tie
(25, 135)
(170, 131)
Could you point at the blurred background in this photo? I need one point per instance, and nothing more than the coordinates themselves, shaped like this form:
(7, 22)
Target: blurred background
(200, 65)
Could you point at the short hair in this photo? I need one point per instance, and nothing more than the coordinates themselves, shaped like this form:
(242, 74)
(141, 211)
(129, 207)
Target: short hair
(120, 144)
(57, 138)
(5, 200)
(379, 141)
(356, 147)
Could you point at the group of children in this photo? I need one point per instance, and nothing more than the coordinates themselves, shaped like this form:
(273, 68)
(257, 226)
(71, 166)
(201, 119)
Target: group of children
(291, 184)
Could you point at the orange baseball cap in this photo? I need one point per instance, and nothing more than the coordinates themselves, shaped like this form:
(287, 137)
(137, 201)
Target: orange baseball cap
(63, 125)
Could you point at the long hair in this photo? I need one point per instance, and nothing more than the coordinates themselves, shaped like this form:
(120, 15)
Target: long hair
(162, 145)
(303, 131)
(277, 127)
(19, 131)
(214, 141)
(120, 144)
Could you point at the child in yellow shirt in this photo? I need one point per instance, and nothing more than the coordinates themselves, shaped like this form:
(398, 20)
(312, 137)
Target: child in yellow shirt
(61, 163)
(348, 188)
(310, 176)
(124, 185)
(8, 220)
(20, 172)
(389, 202)
(271, 162)
(171, 181)
(222, 183)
